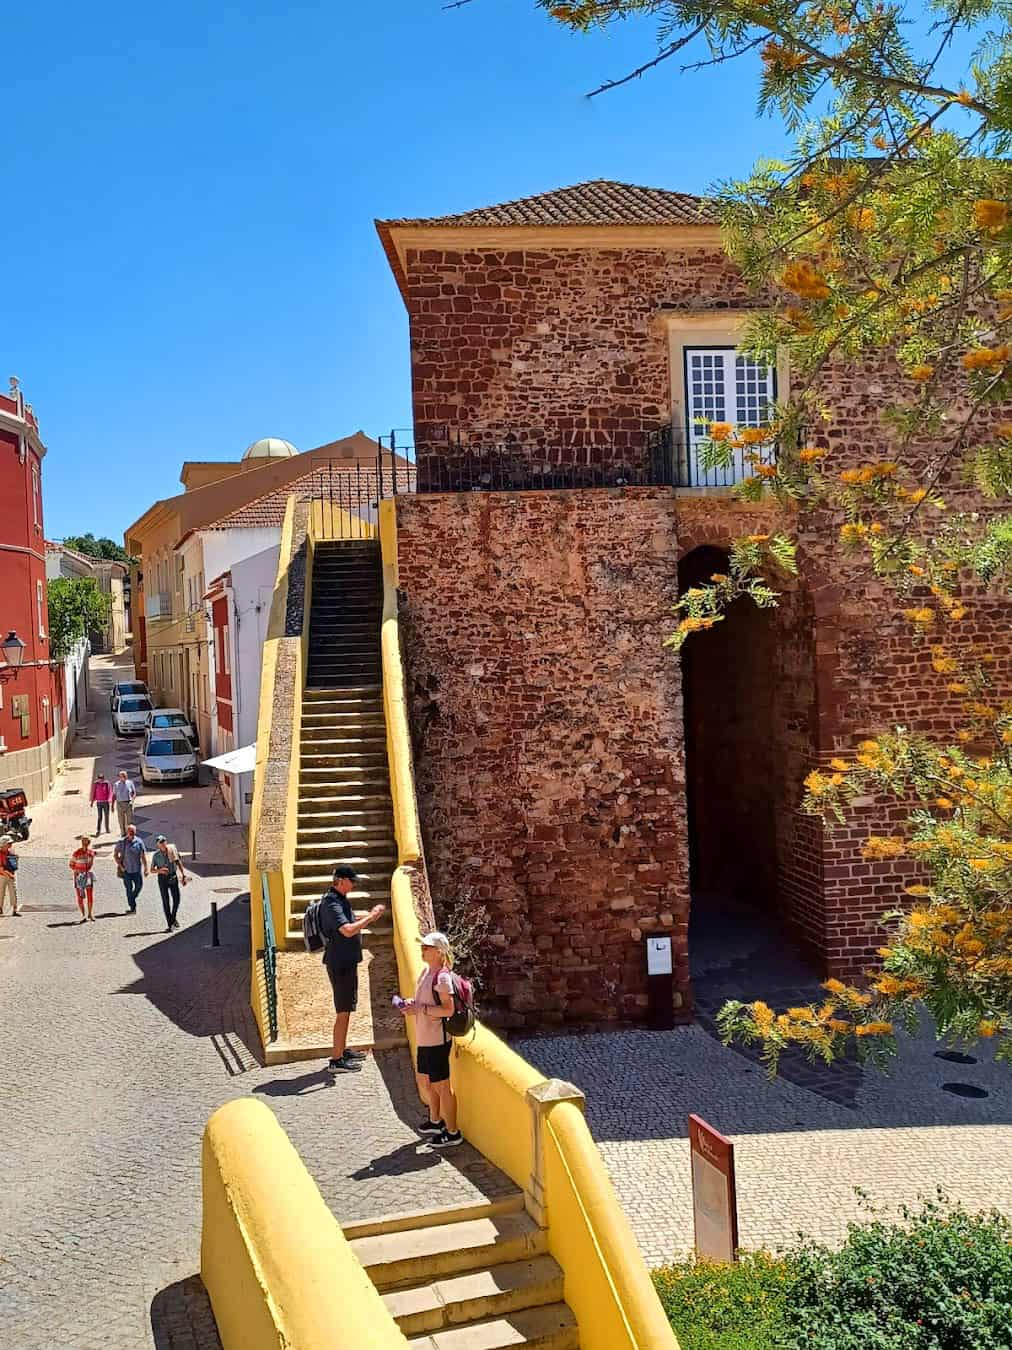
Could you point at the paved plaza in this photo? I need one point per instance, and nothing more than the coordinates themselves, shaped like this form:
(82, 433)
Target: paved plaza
(120, 1040)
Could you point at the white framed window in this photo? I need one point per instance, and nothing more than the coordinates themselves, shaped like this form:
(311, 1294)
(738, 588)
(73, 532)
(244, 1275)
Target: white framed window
(723, 385)
(40, 605)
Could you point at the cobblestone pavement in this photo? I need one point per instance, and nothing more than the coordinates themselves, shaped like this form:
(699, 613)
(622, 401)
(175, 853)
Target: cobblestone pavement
(802, 1146)
(119, 1042)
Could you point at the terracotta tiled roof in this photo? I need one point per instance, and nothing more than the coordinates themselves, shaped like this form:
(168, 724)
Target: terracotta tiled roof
(268, 511)
(600, 202)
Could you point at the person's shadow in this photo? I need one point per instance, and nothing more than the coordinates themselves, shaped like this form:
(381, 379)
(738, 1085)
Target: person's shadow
(295, 1087)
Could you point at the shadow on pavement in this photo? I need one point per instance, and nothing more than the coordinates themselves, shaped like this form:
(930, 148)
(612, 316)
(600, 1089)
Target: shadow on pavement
(182, 1319)
(203, 990)
(413, 1157)
(296, 1087)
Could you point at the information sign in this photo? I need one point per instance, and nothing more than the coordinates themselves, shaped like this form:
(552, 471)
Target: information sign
(714, 1201)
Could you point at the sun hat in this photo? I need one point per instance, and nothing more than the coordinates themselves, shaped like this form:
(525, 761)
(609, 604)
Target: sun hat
(6, 840)
(438, 940)
(160, 839)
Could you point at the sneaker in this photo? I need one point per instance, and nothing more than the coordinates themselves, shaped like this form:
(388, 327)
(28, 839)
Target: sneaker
(16, 914)
(343, 1065)
(433, 1127)
(447, 1139)
(91, 918)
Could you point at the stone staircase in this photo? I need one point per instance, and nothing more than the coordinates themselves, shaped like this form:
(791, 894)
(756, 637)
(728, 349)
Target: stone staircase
(479, 1282)
(345, 809)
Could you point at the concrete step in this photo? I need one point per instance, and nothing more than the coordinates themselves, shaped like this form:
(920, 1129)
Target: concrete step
(325, 812)
(339, 831)
(336, 717)
(373, 854)
(549, 1328)
(422, 1254)
(476, 1295)
(349, 797)
(367, 760)
(366, 780)
(312, 888)
(338, 738)
(324, 702)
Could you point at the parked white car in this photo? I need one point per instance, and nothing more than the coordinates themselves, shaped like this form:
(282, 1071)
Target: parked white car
(172, 719)
(127, 687)
(168, 757)
(130, 714)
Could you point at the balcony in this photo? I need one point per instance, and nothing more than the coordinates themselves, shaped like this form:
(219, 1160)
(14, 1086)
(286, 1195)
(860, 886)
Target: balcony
(158, 605)
(666, 458)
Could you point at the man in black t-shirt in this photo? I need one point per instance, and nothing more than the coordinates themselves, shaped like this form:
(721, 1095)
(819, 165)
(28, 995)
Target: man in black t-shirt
(342, 955)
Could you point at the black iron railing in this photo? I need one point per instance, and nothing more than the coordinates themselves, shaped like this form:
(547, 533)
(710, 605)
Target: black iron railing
(270, 960)
(451, 465)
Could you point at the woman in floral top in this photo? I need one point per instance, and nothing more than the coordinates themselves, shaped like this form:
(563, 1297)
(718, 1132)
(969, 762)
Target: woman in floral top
(82, 860)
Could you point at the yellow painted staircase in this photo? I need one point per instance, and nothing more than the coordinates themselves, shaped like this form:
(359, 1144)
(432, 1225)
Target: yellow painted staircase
(481, 1282)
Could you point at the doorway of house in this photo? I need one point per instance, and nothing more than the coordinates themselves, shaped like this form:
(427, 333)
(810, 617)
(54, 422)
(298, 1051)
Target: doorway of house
(738, 793)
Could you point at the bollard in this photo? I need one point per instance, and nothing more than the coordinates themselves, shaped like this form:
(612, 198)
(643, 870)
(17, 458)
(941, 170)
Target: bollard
(215, 941)
(193, 845)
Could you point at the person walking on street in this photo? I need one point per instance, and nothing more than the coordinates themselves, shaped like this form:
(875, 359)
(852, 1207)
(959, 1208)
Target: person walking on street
(131, 864)
(101, 797)
(432, 1004)
(342, 955)
(168, 868)
(9, 875)
(82, 860)
(124, 791)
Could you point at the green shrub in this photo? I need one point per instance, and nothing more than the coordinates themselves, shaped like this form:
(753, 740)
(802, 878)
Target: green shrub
(739, 1307)
(940, 1279)
(937, 1281)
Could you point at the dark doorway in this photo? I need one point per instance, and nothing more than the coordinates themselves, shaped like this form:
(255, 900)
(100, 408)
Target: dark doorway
(729, 687)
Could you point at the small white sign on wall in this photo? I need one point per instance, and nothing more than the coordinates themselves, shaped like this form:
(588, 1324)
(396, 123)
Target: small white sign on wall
(659, 956)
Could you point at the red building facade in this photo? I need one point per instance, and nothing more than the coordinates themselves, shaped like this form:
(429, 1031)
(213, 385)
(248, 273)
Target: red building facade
(32, 715)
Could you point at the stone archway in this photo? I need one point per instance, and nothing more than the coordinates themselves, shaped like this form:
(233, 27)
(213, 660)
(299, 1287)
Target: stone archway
(729, 685)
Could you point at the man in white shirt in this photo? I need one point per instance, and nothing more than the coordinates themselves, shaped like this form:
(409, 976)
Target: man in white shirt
(124, 791)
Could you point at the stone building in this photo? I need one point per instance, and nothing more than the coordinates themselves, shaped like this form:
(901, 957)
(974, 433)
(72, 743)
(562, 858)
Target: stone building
(574, 775)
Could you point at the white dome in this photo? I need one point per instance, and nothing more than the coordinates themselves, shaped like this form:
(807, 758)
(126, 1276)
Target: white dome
(270, 448)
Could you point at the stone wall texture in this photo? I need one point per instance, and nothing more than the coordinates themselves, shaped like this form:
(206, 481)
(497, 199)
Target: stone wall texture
(559, 350)
(548, 736)
(525, 766)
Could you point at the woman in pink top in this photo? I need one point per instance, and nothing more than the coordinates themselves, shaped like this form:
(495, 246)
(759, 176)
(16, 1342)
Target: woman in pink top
(433, 1043)
(101, 797)
(82, 860)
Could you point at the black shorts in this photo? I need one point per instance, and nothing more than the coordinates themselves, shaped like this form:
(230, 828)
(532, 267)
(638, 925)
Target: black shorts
(344, 982)
(434, 1062)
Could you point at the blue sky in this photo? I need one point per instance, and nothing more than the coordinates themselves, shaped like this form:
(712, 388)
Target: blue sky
(189, 255)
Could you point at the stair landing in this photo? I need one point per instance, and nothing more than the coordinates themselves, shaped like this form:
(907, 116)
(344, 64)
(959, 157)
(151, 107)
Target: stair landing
(306, 1007)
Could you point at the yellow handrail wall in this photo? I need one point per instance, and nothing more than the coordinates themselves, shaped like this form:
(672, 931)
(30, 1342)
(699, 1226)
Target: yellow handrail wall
(606, 1280)
(607, 1284)
(279, 1272)
(265, 723)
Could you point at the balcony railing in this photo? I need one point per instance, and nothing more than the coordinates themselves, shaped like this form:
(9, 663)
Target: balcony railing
(158, 605)
(666, 459)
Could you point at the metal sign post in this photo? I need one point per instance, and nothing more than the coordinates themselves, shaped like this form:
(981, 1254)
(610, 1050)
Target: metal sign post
(714, 1198)
(660, 984)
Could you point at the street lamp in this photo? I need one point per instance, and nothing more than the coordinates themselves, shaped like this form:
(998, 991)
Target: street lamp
(13, 653)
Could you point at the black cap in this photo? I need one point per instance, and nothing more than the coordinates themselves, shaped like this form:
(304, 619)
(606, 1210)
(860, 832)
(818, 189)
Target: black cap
(345, 873)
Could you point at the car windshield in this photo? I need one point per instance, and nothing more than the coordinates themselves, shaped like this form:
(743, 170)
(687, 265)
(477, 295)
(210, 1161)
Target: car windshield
(168, 720)
(134, 705)
(131, 689)
(168, 747)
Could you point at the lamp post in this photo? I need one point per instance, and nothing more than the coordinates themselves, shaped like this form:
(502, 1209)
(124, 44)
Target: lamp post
(12, 654)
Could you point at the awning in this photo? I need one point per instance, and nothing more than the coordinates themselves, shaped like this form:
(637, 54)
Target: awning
(242, 760)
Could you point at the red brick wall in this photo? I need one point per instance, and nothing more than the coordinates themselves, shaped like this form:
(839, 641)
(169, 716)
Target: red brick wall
(548, 727)
(556, 350)
(560, 352)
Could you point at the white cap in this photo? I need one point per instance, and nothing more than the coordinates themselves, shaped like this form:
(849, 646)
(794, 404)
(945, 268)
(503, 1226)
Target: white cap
(438, 940)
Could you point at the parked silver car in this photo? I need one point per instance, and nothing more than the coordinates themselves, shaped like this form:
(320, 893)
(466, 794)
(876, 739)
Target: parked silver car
(168, 757)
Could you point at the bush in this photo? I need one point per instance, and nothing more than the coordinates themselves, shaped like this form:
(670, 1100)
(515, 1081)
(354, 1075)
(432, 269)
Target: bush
(937, 1280)
(715, 1307)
